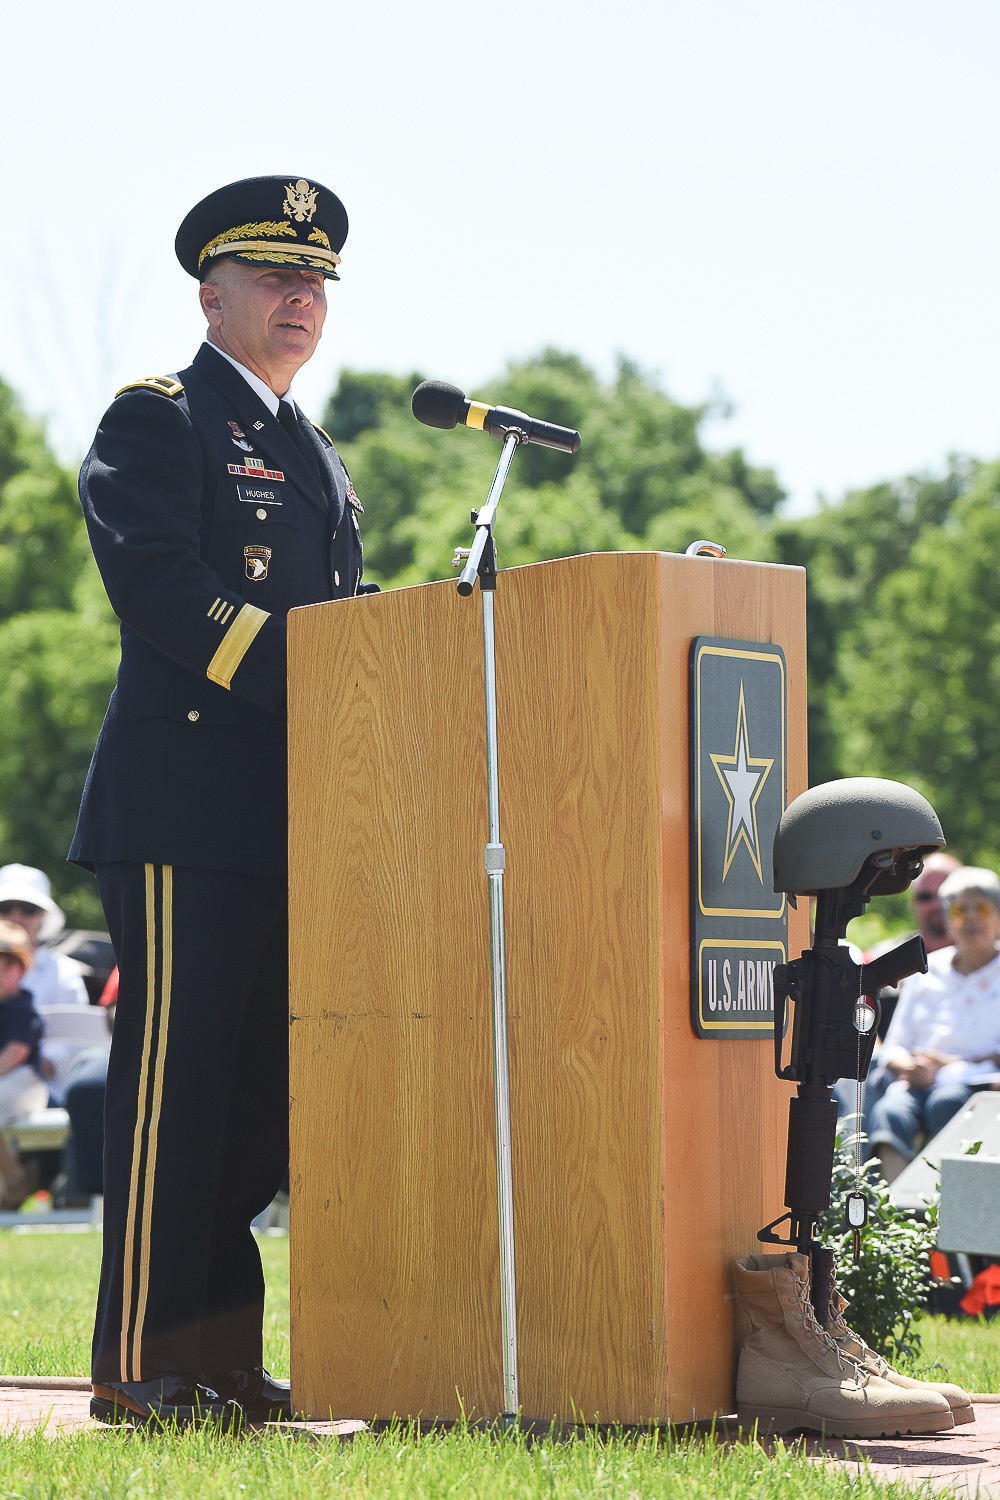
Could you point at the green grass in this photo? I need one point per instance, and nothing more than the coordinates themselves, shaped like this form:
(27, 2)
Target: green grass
(47, 1284)
(966, 1351)
(457, 1465)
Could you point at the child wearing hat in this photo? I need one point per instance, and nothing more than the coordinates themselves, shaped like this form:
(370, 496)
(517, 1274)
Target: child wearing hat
(21, 1085)
(55, 979)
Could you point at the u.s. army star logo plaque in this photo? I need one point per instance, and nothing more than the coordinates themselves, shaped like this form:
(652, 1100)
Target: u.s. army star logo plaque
(739, 925)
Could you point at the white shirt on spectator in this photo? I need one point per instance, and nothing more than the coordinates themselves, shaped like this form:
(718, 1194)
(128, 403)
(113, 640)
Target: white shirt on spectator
(55, 979)
(945, 1011)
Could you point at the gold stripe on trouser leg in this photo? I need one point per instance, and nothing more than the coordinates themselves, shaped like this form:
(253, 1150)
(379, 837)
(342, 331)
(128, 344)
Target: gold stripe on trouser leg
(133, 1190)
(166, 982)
(144, 1193)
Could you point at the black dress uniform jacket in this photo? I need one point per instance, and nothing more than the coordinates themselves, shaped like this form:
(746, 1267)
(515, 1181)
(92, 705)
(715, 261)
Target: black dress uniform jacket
(208, 522)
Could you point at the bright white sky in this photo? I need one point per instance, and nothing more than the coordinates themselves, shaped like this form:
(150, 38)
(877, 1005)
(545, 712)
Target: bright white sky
(791, 201)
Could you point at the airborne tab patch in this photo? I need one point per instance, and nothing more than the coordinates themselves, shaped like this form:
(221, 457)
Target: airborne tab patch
(166, 385)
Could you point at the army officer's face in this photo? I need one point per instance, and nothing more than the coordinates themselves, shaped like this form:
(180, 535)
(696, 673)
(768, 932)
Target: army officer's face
(268, 318)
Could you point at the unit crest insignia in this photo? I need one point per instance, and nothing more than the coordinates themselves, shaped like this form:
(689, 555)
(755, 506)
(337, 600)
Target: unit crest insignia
(300, 201)
(240, 437)
(257, 559)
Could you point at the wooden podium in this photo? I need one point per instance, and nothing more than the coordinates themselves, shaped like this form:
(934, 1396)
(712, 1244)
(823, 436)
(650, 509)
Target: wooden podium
(644, 1158)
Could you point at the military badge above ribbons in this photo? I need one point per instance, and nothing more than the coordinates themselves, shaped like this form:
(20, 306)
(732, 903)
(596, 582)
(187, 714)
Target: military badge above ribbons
(739, 925)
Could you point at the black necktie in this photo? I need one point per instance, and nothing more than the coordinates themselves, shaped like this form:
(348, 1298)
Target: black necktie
(291, 424)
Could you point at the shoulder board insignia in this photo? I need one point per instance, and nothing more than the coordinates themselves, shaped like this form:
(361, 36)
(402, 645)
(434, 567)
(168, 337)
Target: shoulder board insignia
(322, 431)
(165, 384)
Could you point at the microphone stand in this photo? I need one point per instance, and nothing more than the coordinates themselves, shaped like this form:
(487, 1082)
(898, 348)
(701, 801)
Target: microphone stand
(481, 563)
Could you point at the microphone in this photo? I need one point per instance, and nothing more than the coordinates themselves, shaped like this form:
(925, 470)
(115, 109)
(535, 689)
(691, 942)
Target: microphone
(438, 404)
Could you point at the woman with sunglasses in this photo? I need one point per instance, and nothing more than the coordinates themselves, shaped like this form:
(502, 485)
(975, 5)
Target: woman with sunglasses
(944, 1039)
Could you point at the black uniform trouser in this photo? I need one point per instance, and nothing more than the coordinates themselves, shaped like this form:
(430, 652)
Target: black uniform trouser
(83, 1155)
(196, 1121)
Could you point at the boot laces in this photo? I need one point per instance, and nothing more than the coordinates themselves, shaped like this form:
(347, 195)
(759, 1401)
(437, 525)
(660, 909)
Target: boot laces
(815, 1329)
(866, 1355)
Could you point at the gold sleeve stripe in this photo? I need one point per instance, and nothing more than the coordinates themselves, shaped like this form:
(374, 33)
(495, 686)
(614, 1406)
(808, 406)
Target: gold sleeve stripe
(235, 644)
(220, 611)
(477, 414)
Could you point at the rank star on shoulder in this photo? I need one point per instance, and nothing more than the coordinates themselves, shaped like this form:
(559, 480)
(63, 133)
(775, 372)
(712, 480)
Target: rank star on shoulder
(742, 777)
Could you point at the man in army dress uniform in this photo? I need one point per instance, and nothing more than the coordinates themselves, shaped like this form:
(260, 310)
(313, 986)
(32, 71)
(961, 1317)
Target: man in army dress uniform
(213, 508)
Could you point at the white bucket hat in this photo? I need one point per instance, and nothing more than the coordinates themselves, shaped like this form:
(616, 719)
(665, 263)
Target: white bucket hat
(22, 883)
(967, 878)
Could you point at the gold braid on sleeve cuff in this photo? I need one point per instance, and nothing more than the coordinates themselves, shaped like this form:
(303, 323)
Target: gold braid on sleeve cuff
(235, 644)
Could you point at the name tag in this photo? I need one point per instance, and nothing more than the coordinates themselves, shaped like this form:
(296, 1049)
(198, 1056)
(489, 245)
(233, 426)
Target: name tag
(258, 494)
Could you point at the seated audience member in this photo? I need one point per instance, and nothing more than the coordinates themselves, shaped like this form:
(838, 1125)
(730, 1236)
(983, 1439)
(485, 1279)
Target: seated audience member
(85, 1086)
(944, 1038)
(21, 1085)
(925, 895)
(932, 925)
(54, 979)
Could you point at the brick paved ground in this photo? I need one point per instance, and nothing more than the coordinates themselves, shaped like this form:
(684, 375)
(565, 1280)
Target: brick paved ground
(61, 1406)
(963, 1462)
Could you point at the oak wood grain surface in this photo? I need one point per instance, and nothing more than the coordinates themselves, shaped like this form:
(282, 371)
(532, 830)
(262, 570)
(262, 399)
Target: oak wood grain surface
(644, 1159)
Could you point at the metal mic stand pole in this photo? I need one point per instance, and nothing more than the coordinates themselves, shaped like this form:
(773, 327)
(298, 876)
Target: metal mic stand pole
(481, 563)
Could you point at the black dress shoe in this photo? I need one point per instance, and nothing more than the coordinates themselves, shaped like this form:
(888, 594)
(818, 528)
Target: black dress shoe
(258, 1394)
(170, 1401)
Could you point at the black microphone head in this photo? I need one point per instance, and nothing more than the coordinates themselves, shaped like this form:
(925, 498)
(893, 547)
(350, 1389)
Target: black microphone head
(437, 403)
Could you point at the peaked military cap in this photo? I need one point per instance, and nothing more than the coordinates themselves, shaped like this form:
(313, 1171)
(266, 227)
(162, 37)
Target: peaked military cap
(268, 221)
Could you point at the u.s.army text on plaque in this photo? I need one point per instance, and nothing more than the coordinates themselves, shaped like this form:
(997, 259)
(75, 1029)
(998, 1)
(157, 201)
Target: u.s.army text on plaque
(739, 925)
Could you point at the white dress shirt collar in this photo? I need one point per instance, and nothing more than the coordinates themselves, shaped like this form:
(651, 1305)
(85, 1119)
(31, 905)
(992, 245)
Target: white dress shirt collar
(255, 383)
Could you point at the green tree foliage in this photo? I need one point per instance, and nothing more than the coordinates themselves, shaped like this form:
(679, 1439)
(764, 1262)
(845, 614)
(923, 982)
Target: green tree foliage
(849, 550)
(902, 593)
(362, 402)
(58, 650)
(919, 677)
(53, 693)
(43, 544)
(642, 478)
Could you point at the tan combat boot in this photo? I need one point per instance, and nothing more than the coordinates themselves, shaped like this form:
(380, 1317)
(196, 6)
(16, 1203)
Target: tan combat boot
(830, 1306)
(793, 1375)
(854, 1346)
